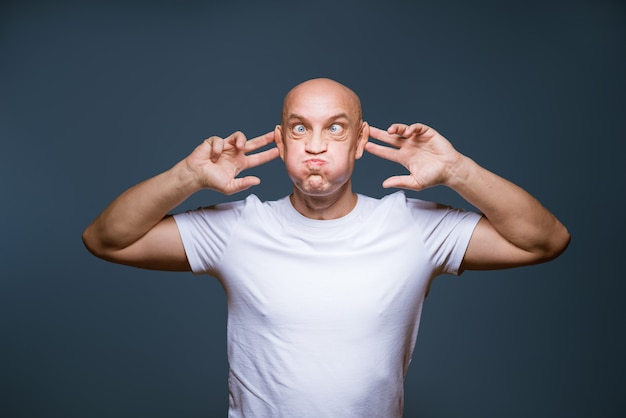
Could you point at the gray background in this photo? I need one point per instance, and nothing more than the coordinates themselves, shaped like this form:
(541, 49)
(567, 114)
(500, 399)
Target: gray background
(95, 97)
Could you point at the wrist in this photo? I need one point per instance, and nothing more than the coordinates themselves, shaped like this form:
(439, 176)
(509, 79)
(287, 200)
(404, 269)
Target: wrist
(460, 172)
(185, 179)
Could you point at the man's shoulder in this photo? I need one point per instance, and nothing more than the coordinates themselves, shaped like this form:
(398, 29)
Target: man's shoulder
(397, 204)
(393, 197)
(397, 199)
(251, 200)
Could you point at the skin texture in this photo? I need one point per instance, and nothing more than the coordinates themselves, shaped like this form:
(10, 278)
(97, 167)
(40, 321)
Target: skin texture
(320, 137)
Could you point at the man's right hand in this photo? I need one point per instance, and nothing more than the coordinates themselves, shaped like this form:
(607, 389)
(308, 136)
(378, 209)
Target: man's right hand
(135, 229)
(217, 162)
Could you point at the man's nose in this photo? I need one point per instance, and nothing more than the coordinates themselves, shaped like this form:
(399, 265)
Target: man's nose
(316, 143)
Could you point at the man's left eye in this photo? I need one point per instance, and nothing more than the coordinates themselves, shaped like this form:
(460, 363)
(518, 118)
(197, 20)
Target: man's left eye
(335, 128)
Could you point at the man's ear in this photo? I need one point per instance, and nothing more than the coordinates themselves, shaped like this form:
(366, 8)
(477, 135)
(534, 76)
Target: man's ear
(278, 139)
(364, 136)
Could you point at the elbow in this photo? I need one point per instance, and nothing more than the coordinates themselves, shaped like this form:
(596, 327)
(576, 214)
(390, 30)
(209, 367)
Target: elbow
(559, 241)
(563, 239)
(89, 241)
(93, 244)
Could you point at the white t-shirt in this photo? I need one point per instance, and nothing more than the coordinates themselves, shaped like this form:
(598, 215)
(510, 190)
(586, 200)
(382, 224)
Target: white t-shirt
(323, 315)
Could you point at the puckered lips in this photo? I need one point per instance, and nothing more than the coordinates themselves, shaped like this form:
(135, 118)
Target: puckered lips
(315, 162)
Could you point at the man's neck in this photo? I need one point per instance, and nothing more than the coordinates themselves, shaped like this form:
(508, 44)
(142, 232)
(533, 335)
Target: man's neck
(326, 207)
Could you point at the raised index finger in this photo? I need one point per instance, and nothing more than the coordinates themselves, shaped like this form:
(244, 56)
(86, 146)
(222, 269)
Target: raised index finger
(384, 136)
(261, 157)
(259, 142)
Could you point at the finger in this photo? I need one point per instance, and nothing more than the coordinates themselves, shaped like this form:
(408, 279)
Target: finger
(402, 182)
(415, 131)
(398, 129)
(217, 146)
(236, 139)
(378, 133)
(384, 136)
(262, 157)
(242, 183)
(382, 151)
(259, 142)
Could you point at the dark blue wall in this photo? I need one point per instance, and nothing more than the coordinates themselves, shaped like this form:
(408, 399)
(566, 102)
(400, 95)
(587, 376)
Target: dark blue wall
(95, 97)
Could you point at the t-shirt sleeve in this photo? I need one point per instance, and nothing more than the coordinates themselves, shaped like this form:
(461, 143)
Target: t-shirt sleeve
(446, 232)
(205, 233)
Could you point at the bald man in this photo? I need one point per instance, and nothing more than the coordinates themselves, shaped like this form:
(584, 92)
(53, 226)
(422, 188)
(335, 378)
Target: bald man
(325, 286)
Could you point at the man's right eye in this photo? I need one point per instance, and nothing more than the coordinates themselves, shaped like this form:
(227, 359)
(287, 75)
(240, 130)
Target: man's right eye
(299, 129)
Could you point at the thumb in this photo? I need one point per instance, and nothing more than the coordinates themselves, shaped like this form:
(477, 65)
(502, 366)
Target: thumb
(242, 183)
(402, 182)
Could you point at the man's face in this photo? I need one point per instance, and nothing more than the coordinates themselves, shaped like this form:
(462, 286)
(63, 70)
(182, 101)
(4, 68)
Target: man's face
(320, 137)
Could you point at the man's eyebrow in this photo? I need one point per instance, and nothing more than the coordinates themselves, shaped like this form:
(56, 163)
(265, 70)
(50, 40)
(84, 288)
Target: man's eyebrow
(295, 116)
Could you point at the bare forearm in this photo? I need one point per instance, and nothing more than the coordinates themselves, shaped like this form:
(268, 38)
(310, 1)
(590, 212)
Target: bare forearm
(139, 209)
(515, 214)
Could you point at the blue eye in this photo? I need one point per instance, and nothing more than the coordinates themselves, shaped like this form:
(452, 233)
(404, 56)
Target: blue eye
(335, 128)
(299, 129)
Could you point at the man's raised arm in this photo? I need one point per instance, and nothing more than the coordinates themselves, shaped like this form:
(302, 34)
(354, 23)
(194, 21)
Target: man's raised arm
(135, 229)
(516, 229)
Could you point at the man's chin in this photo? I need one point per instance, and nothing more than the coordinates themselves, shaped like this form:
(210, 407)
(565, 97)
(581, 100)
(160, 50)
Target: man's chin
(315, 184)
(318, 187)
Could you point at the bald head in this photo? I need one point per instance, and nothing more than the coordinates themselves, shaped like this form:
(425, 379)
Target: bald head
(319, 90)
